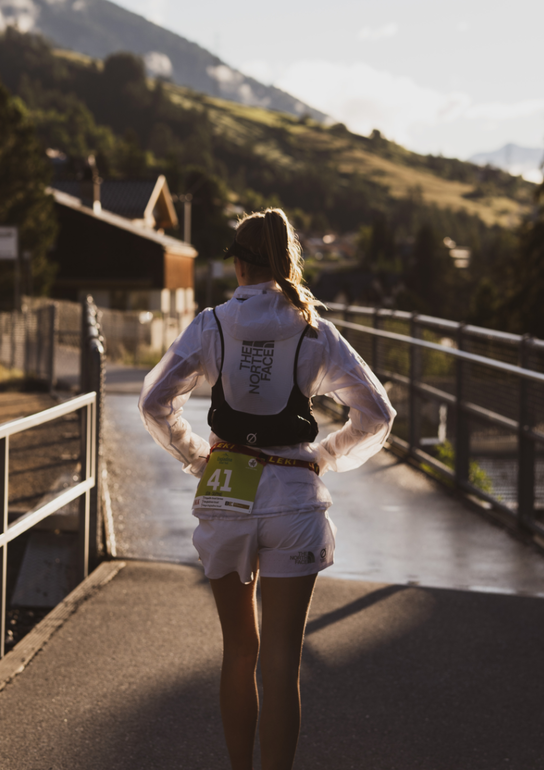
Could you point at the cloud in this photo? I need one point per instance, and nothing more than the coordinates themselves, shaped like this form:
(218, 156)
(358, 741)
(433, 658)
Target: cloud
(364, 98)
(259, 69)
(535, 175)
(21, 14)
(378, 33)
(225, 75)
(504, 111)
(158, 64)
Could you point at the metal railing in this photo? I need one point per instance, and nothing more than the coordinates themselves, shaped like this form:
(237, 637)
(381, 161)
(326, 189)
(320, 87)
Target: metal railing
(93, 378)
(86, 404)
(476, 420)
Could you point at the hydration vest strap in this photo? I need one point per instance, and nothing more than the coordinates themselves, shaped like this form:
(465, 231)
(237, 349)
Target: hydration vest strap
(222, 341)
(296, 354)
(264, 459)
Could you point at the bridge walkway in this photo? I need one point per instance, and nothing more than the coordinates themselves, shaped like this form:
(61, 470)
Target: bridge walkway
(395, 524)
(402, 670)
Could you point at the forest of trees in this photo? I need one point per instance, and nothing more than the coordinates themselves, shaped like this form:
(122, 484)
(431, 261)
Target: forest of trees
(135, 130)
(24, 175)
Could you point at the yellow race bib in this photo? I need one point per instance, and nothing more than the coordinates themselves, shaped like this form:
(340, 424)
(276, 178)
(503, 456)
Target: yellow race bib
(229, 482)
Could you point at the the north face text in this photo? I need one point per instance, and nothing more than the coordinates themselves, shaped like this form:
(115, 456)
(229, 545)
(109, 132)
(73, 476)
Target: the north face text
(303, 557)
(257, 358)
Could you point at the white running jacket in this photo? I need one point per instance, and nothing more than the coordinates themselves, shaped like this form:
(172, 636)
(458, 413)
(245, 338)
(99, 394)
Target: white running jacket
(327, 365)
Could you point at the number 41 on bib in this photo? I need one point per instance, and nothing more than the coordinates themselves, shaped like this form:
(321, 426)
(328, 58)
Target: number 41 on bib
(229, 483)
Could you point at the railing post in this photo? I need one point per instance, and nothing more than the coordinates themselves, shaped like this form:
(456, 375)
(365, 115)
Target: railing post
(27, 345)
(526, 445)
(41, 342)
(345, 316)
(4, 466)
(462, 428)
(84, 500)
(84, 338)
(414, 434)
(375, 341)
(96, 382)
(12, 352)
(53, 330)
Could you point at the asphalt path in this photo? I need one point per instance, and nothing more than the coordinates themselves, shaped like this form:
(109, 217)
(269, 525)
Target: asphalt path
(393, 678)
(395, 675)
(395, 524)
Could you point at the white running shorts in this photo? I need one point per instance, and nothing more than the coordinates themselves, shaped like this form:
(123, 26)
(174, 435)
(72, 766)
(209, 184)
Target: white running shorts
(290, 545)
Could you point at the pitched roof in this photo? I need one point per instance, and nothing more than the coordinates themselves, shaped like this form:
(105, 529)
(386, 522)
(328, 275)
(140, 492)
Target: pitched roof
(133, 199)
(172, 245)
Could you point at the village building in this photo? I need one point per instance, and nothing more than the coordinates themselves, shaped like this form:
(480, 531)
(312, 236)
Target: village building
(111, 243)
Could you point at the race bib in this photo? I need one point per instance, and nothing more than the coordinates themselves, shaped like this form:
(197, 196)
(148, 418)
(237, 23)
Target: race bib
(229, 482)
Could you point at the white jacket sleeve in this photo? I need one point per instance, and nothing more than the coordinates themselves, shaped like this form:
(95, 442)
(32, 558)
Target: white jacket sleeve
(166, 389)
(350, 382)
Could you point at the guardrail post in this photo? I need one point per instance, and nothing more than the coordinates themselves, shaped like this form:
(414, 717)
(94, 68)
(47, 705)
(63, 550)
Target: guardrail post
(27, 346)
(84, 338)
(375, 342)
(4, 466)
(345, 316)
(462, 427)
(53, 333)
(526, 445)
(96, 382)
(93, 378)
(12, 341)
(84, 500)
(4, 455)
(414, 430)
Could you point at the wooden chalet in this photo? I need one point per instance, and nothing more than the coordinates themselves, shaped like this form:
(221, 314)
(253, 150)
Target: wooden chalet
(111, 244)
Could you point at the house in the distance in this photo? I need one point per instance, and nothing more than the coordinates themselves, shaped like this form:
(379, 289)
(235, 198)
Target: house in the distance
(111, 244)
(145, 202)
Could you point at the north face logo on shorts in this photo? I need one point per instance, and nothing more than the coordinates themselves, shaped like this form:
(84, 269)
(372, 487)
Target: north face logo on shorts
(304, 557)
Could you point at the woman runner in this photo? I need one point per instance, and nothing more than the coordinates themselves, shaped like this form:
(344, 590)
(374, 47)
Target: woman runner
(261, 504)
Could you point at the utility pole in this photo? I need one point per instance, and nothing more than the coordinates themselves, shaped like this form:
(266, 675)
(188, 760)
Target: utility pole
(187, 210)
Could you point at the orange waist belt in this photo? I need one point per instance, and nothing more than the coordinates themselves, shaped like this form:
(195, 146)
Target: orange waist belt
(261, 457)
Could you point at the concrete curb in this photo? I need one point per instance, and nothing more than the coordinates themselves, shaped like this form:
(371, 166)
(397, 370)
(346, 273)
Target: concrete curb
(21, 655)
(109, 529)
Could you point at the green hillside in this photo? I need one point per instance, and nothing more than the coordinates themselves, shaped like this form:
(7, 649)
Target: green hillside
(335, 177)
(397, 205)
(280, 140)
(99, 28)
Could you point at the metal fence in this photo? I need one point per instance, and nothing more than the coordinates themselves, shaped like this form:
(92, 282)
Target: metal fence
(93, 379)
(86, 405)
(136, 337)
(28, 341)
(470, 403)
(39, 344)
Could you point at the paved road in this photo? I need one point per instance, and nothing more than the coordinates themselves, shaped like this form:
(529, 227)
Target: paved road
(393, 678)
(395, 524)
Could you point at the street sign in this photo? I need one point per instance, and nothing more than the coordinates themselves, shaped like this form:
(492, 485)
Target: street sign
(8, 243)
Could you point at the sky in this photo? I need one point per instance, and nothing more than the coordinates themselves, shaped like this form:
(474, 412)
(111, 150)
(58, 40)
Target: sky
(437, 76)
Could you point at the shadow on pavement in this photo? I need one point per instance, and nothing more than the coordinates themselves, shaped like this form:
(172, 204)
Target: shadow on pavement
(394, 678)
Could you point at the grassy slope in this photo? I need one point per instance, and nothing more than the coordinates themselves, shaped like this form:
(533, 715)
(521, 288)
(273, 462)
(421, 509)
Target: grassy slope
(250, 124)
(282, 139)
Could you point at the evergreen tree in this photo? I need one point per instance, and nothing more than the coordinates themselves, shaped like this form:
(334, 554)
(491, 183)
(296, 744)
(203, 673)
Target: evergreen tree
(24, 203)
(523, 309)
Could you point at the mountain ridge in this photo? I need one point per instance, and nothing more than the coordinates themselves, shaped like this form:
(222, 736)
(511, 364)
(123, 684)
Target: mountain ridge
(514, 159)
(98, 28)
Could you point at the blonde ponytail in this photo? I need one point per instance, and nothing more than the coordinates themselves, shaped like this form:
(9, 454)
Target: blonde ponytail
(270, 234)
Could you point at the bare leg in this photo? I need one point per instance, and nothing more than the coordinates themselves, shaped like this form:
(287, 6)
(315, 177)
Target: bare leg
(239, 699)
(286, 602)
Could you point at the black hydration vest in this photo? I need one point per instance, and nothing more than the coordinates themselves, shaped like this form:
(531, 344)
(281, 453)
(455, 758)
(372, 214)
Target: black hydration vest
(293, 425)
